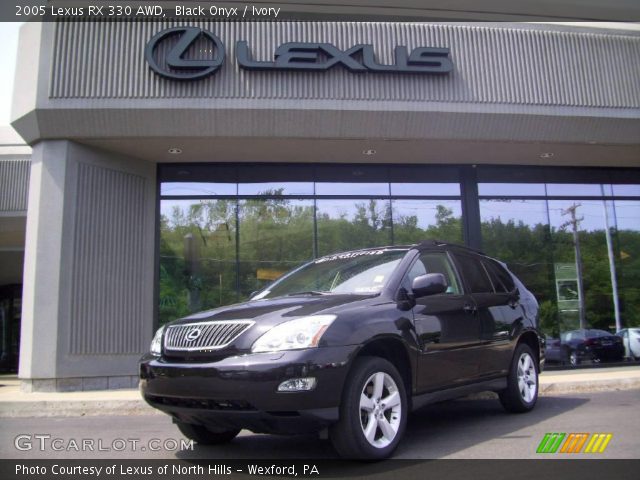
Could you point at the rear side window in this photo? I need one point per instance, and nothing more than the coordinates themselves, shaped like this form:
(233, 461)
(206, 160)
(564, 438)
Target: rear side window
(474, 274)
(502, 281)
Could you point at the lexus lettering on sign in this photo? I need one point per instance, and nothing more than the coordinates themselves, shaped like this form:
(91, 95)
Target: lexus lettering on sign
(167, 53)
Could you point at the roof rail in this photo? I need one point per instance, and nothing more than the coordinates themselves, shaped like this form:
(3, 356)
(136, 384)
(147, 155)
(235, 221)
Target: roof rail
(439, 243)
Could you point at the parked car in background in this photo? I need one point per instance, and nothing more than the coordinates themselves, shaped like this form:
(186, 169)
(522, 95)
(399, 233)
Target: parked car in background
(590, 345)
(631, 341)
(350, 343)
(555, 352)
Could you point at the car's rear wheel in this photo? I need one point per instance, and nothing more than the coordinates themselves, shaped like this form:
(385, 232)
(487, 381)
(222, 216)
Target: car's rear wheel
(373, 413)
(205, 436)
(521, 393)
(574, 361)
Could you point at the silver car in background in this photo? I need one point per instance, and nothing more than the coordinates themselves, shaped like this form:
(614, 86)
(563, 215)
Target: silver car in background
(631, 342)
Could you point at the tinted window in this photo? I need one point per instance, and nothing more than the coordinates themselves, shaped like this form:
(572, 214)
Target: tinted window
(432, 262)
(502, 281)
(474, 274)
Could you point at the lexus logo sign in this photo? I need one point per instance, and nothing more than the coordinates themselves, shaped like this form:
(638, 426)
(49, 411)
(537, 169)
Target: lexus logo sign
(175, 64)
(168, 54)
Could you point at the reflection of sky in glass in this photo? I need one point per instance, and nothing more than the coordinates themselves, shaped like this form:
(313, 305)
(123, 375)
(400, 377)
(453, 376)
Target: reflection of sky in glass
(529, 212)
(167, 206)
(335, 188)
(533, 212)
(424, 210)
(627, 215)
(198, 188)
(591, 210)
(557, 190)
(425, 189)
(348, 208)
(288, 188)
(573, 190)
(514, 189)
(626, 190)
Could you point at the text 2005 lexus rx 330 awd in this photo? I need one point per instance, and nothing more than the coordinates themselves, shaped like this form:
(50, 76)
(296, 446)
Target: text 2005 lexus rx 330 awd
(352, 343)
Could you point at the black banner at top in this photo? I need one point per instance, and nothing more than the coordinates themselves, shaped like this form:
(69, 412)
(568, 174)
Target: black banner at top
(390, 10)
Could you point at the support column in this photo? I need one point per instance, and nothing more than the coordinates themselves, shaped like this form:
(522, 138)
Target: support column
(87, 312)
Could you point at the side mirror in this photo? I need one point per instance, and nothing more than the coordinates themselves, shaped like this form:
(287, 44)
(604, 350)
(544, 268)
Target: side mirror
(429, 284)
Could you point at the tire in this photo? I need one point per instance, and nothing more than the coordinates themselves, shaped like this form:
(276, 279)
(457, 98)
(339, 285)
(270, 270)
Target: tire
(204, 436)
(521, 393)
(574, 361)
(374, 392)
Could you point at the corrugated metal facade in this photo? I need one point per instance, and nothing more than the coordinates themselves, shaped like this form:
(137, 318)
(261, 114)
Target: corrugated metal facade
(107, 316)
(492, 64)
(14, 185)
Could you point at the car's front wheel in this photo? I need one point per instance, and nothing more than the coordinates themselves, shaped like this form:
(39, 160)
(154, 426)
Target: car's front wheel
(205, 436)
(521, 393)
(373, 413)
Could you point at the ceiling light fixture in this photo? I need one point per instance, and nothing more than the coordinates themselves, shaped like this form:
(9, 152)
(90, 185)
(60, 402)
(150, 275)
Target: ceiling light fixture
(174, 151)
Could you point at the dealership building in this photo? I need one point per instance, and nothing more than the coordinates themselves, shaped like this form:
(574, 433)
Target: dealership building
(169, 167)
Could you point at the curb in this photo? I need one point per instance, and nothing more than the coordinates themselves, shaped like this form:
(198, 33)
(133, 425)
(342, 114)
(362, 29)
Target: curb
(75, 408)
(589, 386)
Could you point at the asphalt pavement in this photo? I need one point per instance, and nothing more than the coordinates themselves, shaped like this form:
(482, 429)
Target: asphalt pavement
(463, 429)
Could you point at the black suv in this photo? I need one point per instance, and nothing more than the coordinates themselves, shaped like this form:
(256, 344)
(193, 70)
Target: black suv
(351, 342)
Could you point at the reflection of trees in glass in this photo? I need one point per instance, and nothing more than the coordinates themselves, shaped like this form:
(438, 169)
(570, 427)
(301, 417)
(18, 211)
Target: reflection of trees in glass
(345, 225)
(276, 234)
(531, 248)
(212, 225)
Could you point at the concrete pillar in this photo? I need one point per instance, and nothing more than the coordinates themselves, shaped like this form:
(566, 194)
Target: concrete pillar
(87, 312)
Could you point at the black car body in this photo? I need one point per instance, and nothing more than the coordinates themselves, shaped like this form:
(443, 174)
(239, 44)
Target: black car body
(441, 320)
(592, 345)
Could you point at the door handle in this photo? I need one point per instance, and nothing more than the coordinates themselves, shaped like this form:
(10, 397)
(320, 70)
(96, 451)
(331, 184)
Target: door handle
(471, 309)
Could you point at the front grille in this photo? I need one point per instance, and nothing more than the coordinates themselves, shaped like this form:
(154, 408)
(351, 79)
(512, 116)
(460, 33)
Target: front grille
(204, 336)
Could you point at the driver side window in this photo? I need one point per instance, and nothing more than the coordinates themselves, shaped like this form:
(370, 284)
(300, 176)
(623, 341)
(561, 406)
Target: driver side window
(432, 262)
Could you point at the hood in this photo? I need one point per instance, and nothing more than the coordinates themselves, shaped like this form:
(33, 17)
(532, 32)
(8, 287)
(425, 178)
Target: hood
(262, 315)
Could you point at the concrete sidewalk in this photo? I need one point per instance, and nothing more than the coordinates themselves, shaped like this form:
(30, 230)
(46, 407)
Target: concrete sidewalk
(15, 403)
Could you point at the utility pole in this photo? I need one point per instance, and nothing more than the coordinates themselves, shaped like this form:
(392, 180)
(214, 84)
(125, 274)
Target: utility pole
(612, 263)
(576, 243)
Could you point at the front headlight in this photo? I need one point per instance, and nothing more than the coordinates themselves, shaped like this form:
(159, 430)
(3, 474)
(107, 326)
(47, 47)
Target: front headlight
(304, 332)
(156, 343)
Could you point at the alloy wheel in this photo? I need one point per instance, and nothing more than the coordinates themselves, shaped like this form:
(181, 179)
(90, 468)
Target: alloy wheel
(380, 409)
(527, 378)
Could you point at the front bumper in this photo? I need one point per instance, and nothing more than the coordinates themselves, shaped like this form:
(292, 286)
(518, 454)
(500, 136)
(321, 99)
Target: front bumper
(241, 391)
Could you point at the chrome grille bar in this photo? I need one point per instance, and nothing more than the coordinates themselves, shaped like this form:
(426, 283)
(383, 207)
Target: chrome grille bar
(203, 336)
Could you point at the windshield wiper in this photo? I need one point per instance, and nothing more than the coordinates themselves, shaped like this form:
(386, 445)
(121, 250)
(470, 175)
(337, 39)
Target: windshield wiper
(309, 292)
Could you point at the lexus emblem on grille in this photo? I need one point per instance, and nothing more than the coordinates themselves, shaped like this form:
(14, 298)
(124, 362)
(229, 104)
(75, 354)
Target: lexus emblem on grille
(193, 334)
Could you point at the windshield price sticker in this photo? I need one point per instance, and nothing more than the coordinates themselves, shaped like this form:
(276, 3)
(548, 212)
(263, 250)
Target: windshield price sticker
(346, 256)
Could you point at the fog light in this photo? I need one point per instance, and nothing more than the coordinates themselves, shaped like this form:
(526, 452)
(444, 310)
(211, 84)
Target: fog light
(297, 385)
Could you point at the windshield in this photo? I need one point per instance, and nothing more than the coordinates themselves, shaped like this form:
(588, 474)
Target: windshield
(364, 272)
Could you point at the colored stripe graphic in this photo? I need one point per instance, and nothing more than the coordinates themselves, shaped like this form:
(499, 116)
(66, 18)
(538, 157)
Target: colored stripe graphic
(598, 443)
(550, 442)
(574, 443)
